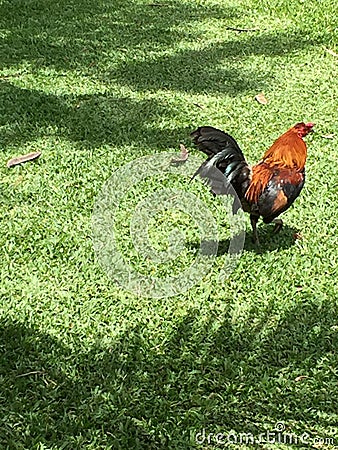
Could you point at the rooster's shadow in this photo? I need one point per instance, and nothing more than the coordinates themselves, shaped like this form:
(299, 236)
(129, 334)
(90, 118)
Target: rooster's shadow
(269, 242)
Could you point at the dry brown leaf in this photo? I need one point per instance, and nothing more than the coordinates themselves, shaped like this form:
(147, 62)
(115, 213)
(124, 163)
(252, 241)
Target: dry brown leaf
(261, 99)
(297, 236)
(183, 155)
(328, 136)
(331, 52)
(184, 149)
(300, 378)
(22, 159)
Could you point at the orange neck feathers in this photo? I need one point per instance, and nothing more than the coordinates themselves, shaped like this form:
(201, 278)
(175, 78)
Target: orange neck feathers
(287, 152)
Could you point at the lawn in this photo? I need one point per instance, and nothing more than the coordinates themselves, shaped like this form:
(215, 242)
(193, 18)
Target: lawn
(86, 363)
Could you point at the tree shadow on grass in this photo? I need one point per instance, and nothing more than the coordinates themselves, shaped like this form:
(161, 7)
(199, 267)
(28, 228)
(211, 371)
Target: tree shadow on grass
(123, 45)
(128, 43)
(82, 34)
(217, 68)
(211, 373)
(90, 120)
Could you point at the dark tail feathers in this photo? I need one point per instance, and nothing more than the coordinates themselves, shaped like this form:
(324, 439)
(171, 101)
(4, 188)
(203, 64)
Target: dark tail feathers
(225, 154)
(210, 141)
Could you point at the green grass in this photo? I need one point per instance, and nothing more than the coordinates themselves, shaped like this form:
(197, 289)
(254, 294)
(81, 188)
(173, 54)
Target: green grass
(85, 364)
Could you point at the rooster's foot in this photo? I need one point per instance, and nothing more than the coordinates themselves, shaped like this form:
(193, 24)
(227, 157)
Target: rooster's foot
(254, 220)
(278, 225)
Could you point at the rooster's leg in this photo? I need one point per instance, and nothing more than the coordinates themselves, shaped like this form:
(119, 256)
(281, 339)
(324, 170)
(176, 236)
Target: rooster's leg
(278, 225)
(254, 220)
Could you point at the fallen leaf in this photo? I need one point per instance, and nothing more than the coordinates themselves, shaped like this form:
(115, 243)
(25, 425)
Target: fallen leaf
(331, 52)
(183, 156)
(297, 236)
(328, 136)
(22, 159)
(300, 378)
(184, 149)
(261, 99)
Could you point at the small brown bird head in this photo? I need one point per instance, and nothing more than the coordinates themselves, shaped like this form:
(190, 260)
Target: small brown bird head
(302, 129)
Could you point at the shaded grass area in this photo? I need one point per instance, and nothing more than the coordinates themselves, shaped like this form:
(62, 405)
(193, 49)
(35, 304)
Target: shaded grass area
(137, 394)
(85, 364)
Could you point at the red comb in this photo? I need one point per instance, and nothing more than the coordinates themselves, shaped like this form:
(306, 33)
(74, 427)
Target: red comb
(310, 125)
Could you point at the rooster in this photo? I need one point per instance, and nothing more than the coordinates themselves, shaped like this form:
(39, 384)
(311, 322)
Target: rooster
(268, 188)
